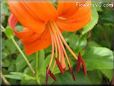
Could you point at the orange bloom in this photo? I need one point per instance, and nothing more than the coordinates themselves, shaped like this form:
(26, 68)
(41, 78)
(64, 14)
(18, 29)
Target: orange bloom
(43, 25)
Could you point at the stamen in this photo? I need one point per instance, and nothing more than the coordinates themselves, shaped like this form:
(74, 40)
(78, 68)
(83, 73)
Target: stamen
(80, 63)
(78, 67)
(64, 51)
(55, 41)
(59, 66)
(58, 39)
(48, 72)
(62, 38)
(62, 57)
(51, 75)
(71, 71)
(58, 43)
(56, 47)
(46, 75)
(62, 18)
(52, 55)
(84, 68)
(54, 66)
(56, 53)
(57, 60)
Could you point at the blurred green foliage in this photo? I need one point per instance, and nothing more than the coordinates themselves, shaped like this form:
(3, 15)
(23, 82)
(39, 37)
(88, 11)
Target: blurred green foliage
(94, 42)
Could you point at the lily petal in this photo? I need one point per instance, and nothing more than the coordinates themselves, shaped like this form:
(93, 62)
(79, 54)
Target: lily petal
(78, 20)
(71, 27)
(25, 18)
(42, 10)
(66, 9)
(38, 44)
(20, 34)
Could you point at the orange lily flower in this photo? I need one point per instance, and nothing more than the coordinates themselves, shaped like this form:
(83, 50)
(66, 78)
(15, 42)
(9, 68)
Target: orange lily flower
(43, 26)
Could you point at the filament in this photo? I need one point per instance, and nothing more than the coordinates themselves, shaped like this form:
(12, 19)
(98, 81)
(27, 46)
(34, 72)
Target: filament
(62, 38)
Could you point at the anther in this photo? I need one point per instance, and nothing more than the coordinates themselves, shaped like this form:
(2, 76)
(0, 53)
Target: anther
(71, 71)
(49, 73)
(59, 65)
(80, 63)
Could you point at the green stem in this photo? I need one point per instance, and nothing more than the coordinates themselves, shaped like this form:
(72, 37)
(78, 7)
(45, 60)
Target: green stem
(4, 79)
(37, 78)
(19, 49)
(2, 28)
(25, 58)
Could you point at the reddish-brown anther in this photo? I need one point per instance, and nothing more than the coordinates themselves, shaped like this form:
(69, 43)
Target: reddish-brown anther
(81, 63)
(84, 68)
(59, 65)
(71, 71)
(49, 73)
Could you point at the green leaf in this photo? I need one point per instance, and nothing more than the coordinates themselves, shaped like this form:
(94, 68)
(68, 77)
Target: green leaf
(41, 62)
(108, 73)
(41, 59)
(81, 43)
(95, 77)
(12, 66)
(9, 46)
(20, 62)
(45, 64)
(4, 11)
(98, 58)
(76, 42)
(14, 76)
(4, 8)
(28, 82)
(19, 76)
(93, 21)
(66, 79)
(73, 41)
(5, 63)
(8, 32)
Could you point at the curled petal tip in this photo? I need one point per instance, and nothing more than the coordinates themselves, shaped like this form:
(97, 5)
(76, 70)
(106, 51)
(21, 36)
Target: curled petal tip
(12, 21)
